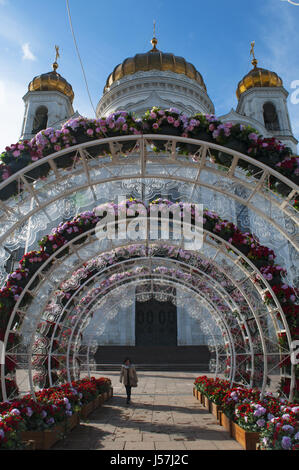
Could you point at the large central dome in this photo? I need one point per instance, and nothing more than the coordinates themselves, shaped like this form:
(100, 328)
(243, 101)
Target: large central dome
(155, 78)
(154, 60)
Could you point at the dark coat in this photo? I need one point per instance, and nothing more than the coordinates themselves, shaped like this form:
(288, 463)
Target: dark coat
(132, 374)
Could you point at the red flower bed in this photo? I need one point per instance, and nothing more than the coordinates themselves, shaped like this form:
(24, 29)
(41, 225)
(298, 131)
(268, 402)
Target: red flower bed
(52, 406)
(276, 420)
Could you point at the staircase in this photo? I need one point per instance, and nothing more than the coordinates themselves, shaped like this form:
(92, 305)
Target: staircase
(170, 358)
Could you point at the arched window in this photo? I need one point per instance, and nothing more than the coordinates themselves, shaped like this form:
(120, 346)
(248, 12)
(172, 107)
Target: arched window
(40, 119)
(270, 117)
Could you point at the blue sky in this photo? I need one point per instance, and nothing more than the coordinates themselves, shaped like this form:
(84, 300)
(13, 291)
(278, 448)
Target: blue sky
(214, 35)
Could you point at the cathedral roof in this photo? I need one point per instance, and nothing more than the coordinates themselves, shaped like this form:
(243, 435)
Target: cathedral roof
(258, 77)
(51, 81)
(154, 60)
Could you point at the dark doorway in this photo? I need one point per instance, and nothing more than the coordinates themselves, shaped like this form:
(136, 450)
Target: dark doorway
(155, 323)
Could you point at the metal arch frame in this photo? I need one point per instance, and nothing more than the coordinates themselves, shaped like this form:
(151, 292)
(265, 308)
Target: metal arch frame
(213, 284)
(144, 159)
(171, 282)
(219, 323)
(240, 255)
(203, 323)
(93, 301)
(226, 254)
(201, 320)
(218, 320)
(272, 312)
(189, 267)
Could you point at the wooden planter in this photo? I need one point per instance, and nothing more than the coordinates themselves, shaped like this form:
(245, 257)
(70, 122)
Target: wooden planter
(206, 403)
(199, 396)
(98, 401)
(87, 409)
(225, 422)
(215, 409)
(29, 445)
(72, 422)
(247, 439)
(44, 439)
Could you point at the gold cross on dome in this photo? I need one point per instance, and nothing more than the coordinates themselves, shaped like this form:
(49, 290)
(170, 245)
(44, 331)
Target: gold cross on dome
(57, 53)
(254, 61)
(154, 40)
(55, 65)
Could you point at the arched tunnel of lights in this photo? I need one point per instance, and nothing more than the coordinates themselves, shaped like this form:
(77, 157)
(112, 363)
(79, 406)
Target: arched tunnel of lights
(64, 302)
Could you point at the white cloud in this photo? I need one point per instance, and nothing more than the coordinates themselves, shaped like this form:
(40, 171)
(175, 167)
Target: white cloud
(292, 2)
(12, 112)
(27, 54)
(280, 55)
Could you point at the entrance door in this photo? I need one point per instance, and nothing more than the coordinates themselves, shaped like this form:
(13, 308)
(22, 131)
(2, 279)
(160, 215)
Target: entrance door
(155, 323)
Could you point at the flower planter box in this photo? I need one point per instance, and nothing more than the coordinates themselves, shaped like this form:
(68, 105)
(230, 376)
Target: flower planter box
(10, 190)
(165, 129)
(215, 409)
(38, 172)
(87, 409)
(225, 422)
(207, 403)
(101, 399)
(29, 445)
(98, 401)
(44, 439)
(199, 396)
(72, 422)
(199, 135)
(247, 439)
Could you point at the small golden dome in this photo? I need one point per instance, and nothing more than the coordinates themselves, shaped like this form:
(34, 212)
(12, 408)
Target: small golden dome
(51, 81)
(154, 60)
(258, 77)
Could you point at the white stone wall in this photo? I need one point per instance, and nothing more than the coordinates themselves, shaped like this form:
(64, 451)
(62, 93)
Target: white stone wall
(143, 90)
(251, 105)
(120, 330)
(59, 109)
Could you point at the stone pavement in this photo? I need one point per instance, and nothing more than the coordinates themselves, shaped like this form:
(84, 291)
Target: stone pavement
(163, 415)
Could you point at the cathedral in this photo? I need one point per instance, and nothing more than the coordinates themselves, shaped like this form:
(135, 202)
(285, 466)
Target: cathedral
(162, 79)
(74, 304)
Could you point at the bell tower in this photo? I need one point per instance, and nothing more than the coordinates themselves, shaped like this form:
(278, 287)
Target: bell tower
(262, 97)
(48, 102)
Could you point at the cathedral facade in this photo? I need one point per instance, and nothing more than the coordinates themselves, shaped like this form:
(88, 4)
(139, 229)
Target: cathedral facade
(156, 78)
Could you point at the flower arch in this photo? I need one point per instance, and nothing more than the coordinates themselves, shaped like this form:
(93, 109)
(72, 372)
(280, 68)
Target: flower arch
(202, 127)
(222, 235)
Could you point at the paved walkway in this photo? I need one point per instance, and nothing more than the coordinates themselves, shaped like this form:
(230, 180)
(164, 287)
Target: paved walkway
(163, 415)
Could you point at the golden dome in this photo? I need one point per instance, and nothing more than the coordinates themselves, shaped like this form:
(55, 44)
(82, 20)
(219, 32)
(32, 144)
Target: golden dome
(258, 77)
(154, 60)
(51, 81)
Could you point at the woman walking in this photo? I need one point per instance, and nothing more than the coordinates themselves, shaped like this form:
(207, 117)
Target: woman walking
(128, 376)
